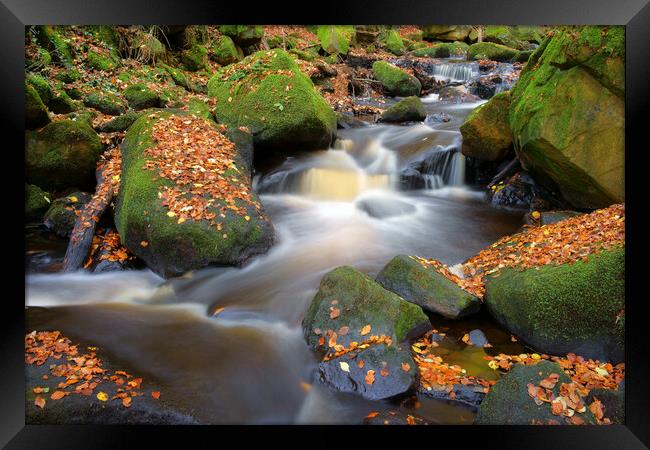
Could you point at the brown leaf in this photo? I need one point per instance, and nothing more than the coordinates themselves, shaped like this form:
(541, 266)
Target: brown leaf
(370, 377)
(39, 401)
(365, 330)
(56, 395)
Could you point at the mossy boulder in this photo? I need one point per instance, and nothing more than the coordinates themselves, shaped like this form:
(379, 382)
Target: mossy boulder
(62, 154)
(37, 202)
(491, 51)
(407, 109)
(195, 58)
(225, 51)
(435, 51)
(268, 93)
(346, 302)
(97, 61)
(62, 214)
(508, 402)
(69, 76)
(53, 39)
(335, 39)
(140, 96)
(567, 115)
(566, 308)
(486, 130)
(199, 108)
(392, 41)
(504, 35)
(42, 86)
(105, 102)
(180, 79)
(528, 33)
(426, 287)
(395, 81)
(120, 123)
(523, 55)
(39, 60)
(243, 35)
(173, 248)
(612, 401)
(445, 32)
(36, 114)
(62, 103)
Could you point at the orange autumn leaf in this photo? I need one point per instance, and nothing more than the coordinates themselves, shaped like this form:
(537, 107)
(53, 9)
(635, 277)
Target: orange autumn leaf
(126, 401)
(410, 420)
(406, 367)
(596, 408)
(360, 364)
(334, 313)
(557, 407)
(365, 330)
(56, 395)
(155, 394)
(370, 377)
(384, 372)
(39, 401)
(372, 415)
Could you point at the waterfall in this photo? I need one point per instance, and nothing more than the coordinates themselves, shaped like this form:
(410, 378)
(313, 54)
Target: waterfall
(443, 167)
(455, 71)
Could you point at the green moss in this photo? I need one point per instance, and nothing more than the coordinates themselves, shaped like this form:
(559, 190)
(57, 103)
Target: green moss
(486, 130)
(335, 39)
(41, 60)
(35, 112)
(392, 41)
(491, 51)
(105, 102)
(175, 248)
(199, 108)
(41, 85)
(243, 35)
(62, 154)
(140, 96)
(395, 80)
(407, 109)
(69, 76)
(96, 61)
(195, 58)
(37, 201)
(445, 32)
(566, 308)
(283, 42)
(51, 38)
(225, 51)
(104, 33)
(435, 51)
(268, 93)
(63, 104)
(302, 54)
(120, 123)
(180, 78)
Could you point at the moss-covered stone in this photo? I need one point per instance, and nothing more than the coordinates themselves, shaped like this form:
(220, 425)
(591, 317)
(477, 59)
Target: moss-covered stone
(225, 51)
(140, 96)
(268, 93)
(62, 213)
(95, 61)
(523, 55)
(39, 60)
(35, 111)
(395, 81)
(528, 33)
(392, 41)
(445, 32)
(427, 288)
(360, 302)
(69, 76)
(505, 35)
(303, 54)
(41, 85)
(174, 248)
(63, 104)
(567, 115)
(37, 202)
(508, 402)
(199, 108)
(243, 35)
(435, 51)
(486, 130)
(566, 308)
(335, 39)
(147, 48)
(491, 51)
(407, 109)
(120, 123)
(180, 79)
(62, 154)
(53, 39)
(105, 102)
(195, 58)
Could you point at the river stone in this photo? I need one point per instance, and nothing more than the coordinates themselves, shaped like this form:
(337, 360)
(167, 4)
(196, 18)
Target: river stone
(62, 154)
(282, 110)
(174, 248)
(613, 402)
(62, 214)
(470, 395)
(486, 131)
(478, 338)
(361, 301)
(491, 51)
(565, 308)
(395, 81)
(382, 208)
(445, 32)
(37, 202)
(426, 287)
(409, 109)
(567, 115)
(508, 402)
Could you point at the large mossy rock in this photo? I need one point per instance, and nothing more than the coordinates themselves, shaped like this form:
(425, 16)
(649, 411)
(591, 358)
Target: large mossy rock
(391, 40)
(567, 115)
(426, 287)
(53, 39)
(62, 213)
(346, 303)
(268, 93)
(172, 248)
(510, 36)
(62, 154)
(120, 123)
(225, 51)
(140, 96)
(105, 102)
(508, 402)
(37, 202)
(195, 58)
(335, 39)
(486, 130)
(445, 32)
(41, 85)
(243, 35)
(567, 308)
(407, 109)
(395, 81)
(36, 115)
(491, 51)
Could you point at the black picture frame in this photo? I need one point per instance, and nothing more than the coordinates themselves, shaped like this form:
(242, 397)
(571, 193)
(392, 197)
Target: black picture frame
(635, 14)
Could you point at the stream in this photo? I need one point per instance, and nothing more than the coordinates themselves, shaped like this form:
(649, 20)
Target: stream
(249, 363)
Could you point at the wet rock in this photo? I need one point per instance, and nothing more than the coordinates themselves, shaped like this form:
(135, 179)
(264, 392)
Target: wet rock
(486, 131)
(491, 51)
(508, 402)
(466, 394)
(613, 402)
(347, 120)
(382, 208)
(62, 214)
(478, 338)
(411, 178)
(409, 109)
(549, 217)
(37, 202)
(426, 287)
(516, 192)
(567, 308)
(457, 94)
(347, 302)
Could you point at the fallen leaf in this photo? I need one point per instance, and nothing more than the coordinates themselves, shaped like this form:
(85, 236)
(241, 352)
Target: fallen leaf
(406, 367)
(102, 396)
(365, 330)
(57, 395)
(39, 401)
(370, 377)
(372, 415)
(155, 394)
(126, 402)
(334, 313)
(345, 367)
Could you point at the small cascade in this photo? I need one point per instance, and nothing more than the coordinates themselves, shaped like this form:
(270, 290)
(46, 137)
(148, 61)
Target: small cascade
(460, 72)
(443, 167)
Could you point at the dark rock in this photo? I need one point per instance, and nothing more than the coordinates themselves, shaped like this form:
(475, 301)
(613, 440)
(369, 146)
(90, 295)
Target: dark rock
(478, 338)
(471, 395)
(62, 214)
(382, 208)
(613, 402)
(410, 178)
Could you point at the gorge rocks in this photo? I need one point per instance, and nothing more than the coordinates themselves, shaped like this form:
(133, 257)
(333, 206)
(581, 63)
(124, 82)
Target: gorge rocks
(486, 131)
(407, 109)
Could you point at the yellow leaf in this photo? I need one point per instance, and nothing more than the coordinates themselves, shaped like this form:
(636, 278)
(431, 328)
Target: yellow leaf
(102, 396)
(365, 330)
(171, 213)
(345, 367)
(181, 220)
(247, 218)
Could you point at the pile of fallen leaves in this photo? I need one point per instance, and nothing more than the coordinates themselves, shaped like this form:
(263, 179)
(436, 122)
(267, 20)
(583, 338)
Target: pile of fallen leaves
(305, 38)
(435, 374)
(200, 162)
(108, 246)
(81, 373)
(563, 242)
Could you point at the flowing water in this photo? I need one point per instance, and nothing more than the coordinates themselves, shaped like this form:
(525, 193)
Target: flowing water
(341, 206)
